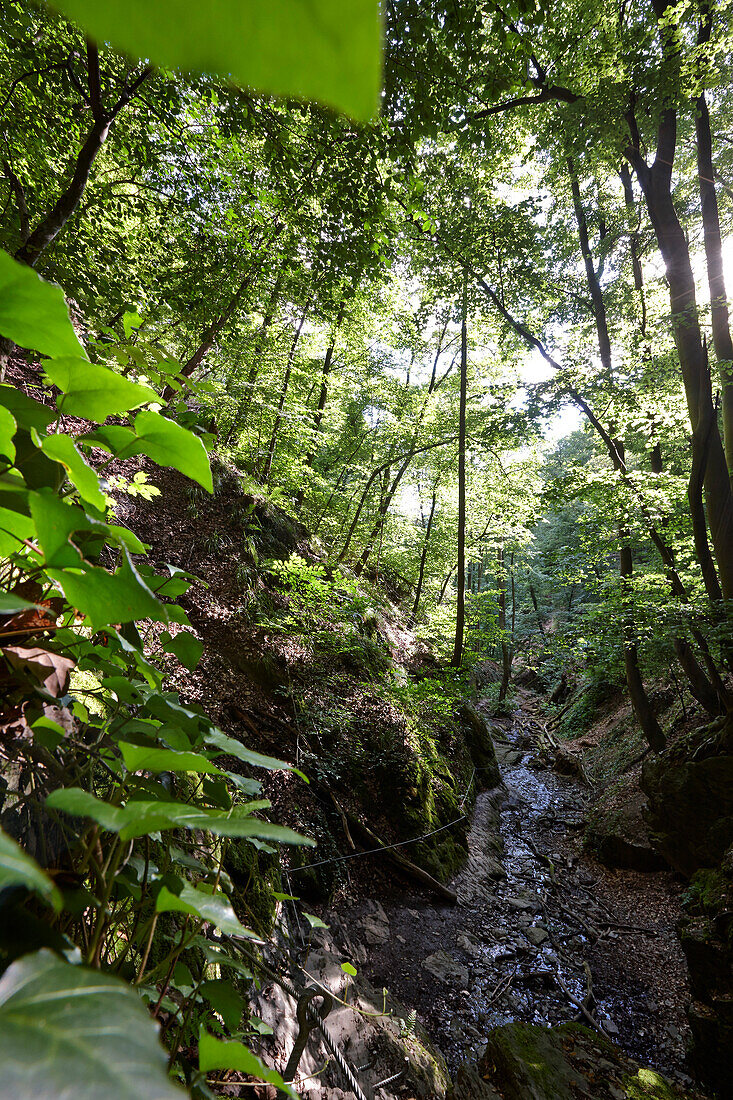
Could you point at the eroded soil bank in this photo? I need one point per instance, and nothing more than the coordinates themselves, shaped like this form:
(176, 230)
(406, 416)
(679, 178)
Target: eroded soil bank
(542, 934)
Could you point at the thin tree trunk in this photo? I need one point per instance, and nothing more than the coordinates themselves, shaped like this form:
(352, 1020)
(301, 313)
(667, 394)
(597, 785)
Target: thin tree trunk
(506, 659)
(423, 558)
(461, 555)
(283, 396)
(322, 398)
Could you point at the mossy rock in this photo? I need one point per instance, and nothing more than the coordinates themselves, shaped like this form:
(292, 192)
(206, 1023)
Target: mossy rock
(527, 1062)
(477, 734)
(616, 829)
(690, 814)
(254, 874)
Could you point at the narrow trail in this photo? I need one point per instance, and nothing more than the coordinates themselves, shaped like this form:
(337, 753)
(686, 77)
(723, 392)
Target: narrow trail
(538, 926)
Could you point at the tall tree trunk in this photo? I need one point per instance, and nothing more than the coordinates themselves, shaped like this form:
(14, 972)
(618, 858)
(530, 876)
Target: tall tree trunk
(461, 555)
(722, 342)
(423, 559)
(322, 398)
(283, 397)
(634, 681)
(707, 446)
(506, 647)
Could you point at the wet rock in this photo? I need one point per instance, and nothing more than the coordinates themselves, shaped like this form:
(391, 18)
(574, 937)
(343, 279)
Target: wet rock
(526, 1062)
(536, 935)
(446, 969)
(522, 902)
(468, 943)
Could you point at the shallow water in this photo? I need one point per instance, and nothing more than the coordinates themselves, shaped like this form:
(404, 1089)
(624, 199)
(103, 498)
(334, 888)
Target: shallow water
(521, 947)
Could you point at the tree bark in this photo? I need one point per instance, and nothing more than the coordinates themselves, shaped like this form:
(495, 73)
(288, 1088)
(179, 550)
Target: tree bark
(56, 218)
(461, 554)
(283, 396)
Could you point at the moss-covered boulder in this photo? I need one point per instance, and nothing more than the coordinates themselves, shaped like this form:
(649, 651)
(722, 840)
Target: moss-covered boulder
(617, 831)
(690, 792)
(707, 941)
(477, 735)
(527, 1062)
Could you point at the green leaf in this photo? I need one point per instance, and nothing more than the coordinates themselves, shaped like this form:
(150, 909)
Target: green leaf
(79, 803)
(69, 1031)
(229, 1054)
(48, 733)
(106, 598)
(94, 391)
(8, 427)
(10, 604)
(185, 646)
(233, 748)
(140, 818)
(311, 48)
(139, 758)
(349, 969)
(168, 444)
(55, 523)
(314, 922)
(27, 412)
(201, 902)
(61, 448)
(33, 313)
(224, 999)
(17, 868)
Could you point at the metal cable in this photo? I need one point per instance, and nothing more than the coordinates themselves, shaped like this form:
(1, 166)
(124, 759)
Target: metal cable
(313, 1015)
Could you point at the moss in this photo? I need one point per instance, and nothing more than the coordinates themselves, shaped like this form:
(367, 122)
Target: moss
(647, 1084)
(255, 874)
(706, 892)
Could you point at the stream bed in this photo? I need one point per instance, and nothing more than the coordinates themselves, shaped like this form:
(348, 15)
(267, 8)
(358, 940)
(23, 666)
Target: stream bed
(540, 929)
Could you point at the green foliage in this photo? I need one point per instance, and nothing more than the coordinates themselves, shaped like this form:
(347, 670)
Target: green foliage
(101, 745)
(62, 1023)
(302, 49)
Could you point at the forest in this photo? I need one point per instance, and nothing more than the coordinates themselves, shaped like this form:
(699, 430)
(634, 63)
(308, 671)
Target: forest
(366, 550)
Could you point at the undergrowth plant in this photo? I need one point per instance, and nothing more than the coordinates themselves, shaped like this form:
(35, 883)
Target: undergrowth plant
(118, 810)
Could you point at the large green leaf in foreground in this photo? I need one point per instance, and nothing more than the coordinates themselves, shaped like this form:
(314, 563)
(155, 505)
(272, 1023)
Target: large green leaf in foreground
(318, 49)
(68, 1032)
(32, 313)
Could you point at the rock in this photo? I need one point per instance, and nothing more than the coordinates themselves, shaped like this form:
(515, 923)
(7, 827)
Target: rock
(527, 1062)
(536, 935)
(477, 734)
(376, 931)
(616, 828)
(468, 943)
(522, 903)
(446, 969)
(690, 813)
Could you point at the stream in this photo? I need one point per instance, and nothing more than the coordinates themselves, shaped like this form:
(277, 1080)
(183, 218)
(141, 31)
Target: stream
(540, 929)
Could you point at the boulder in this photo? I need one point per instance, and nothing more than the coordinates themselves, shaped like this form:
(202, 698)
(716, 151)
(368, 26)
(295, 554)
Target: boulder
(446, 969)
(617, 830)
(477, 735)
(690, 813)
(527, 1062)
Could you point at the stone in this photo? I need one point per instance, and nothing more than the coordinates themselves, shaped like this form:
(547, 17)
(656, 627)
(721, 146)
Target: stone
(527, 1062)
(522, 903)
(618, 832)
(468, 943)
(536, 935)
(446, 969)
(375, 931)
(477, 734)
